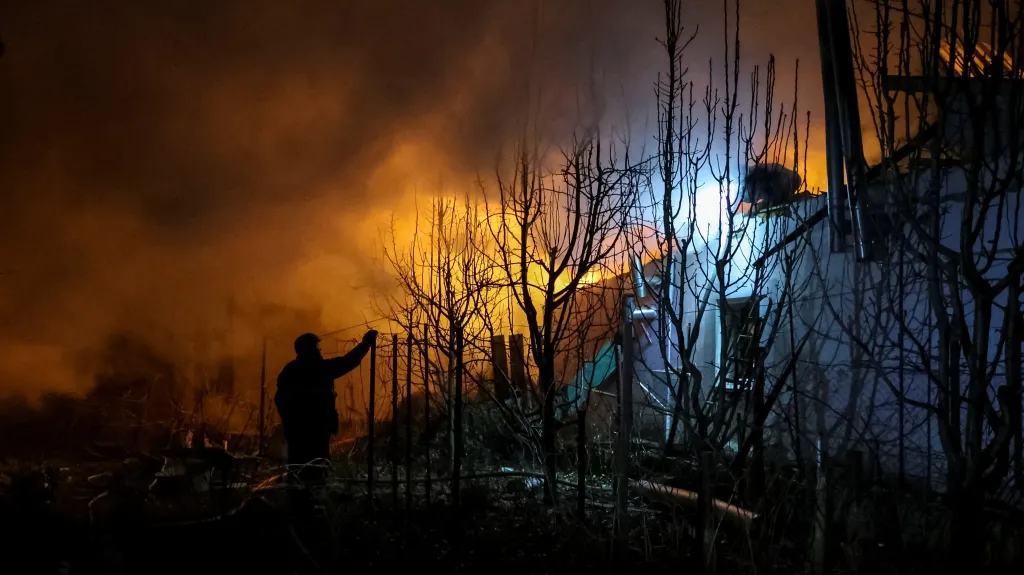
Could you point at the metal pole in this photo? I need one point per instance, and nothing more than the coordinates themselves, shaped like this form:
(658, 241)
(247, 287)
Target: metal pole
(371, 418)
(457, 420)
(902, 419)
(426, 409)
(821, 556)
(625, 426)
(849, 116)
(408, 422)
(833, 137)
(393, 442)
(928, 400)
(263, 400)
(1013, 376)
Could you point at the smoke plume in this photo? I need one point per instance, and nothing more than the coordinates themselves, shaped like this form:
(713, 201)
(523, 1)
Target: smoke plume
(161, 158)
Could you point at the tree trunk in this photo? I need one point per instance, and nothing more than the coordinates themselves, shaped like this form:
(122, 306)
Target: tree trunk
(1013, 377)
(547, 439)
(678, 410)
(705, 514)
(457, 422)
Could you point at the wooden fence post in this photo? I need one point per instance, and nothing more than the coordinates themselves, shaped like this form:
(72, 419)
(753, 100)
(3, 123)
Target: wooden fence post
(499, 363)
(517, 360)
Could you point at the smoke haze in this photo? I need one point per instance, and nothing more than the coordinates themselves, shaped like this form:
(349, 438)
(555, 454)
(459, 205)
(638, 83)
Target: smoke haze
(159, 158)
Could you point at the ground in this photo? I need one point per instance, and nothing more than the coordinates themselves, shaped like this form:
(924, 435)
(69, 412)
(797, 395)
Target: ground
(52, 521)
(50, 531)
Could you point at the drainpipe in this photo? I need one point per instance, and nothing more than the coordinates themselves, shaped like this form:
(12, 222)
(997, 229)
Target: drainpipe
(639, 285)
(849, 117)
(843, 143)
(833, 137)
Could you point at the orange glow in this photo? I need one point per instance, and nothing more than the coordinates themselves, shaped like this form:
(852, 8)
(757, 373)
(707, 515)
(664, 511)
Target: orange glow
(146, 183)
(982, 60)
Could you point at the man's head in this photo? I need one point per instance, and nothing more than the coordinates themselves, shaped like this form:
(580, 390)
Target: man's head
(307, 345)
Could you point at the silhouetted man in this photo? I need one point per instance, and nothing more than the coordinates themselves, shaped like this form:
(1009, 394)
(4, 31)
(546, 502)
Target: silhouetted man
(305, 400)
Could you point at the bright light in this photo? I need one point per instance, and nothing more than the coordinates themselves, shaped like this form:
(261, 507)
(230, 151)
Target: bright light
(709, 213)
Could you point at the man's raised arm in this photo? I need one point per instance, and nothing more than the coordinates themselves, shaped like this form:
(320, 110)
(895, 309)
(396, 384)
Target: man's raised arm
(339, 366)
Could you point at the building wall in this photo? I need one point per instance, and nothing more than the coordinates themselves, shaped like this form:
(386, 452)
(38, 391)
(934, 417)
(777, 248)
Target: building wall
(850, 405)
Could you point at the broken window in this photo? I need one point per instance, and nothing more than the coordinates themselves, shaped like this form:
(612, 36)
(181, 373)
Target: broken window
(741, 337)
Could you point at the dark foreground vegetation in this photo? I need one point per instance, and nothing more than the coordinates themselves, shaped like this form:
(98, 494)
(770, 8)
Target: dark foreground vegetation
(114, 517)
(84, 488)
(51, 531)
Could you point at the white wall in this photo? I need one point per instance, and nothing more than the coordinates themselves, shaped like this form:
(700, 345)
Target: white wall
(857, 407)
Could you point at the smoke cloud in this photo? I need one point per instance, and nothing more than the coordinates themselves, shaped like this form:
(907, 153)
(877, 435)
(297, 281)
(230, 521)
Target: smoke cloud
(160, 158)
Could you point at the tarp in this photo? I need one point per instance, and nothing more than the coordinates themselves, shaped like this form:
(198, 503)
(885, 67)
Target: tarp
(592, 374)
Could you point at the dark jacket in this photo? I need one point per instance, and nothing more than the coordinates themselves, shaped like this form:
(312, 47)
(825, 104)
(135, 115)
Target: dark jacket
(305, 391)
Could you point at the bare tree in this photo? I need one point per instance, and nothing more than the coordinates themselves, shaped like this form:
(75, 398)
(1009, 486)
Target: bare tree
(556, 231)
(934, 324)
(711, 246)
(448, 291)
